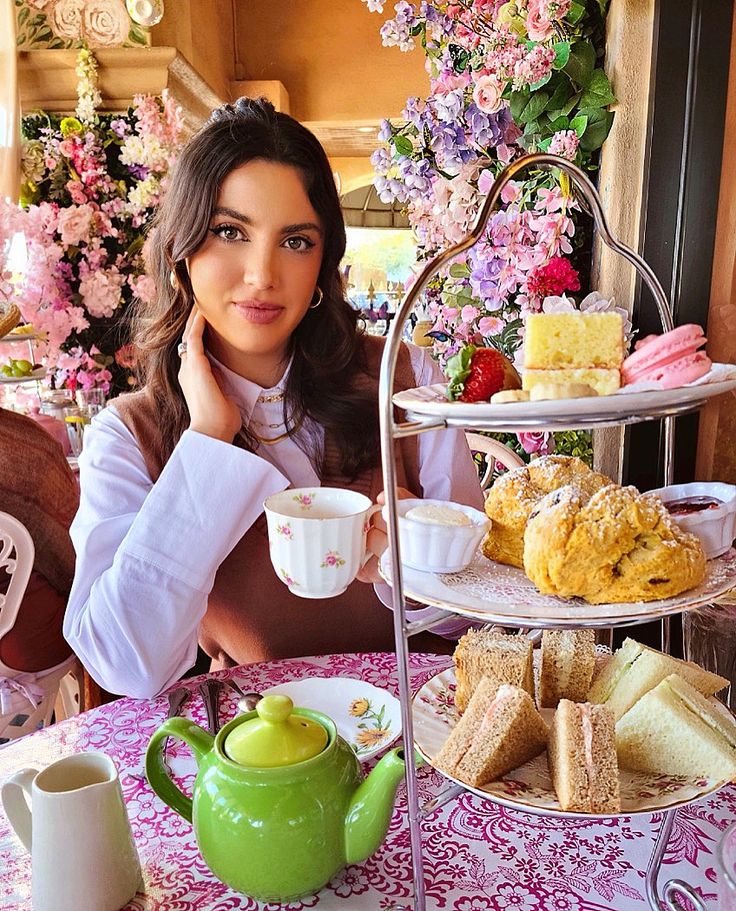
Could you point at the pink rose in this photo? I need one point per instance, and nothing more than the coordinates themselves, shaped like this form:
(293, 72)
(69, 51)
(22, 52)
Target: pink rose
(487, 94)
(74, 224)
(539, 441)
(538, 26)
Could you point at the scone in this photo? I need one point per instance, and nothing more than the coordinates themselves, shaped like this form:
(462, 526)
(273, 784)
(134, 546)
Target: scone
(516, 493)
(615, 546)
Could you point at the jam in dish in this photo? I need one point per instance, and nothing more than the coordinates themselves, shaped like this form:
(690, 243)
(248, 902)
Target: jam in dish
(689, 505)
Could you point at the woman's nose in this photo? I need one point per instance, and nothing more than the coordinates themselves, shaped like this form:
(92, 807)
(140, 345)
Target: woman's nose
(260, 266)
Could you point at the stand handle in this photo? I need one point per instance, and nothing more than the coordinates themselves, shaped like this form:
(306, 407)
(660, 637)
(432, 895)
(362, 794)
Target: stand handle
(674, 889)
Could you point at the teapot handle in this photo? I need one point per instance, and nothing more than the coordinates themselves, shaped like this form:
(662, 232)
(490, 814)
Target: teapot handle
(201, 743)
(16, 798)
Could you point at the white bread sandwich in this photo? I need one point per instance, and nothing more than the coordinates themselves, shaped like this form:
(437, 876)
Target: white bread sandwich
(481, 653)
(673, 729)
(500, 730)
(635, 669)
(568, 662)
(582, 758)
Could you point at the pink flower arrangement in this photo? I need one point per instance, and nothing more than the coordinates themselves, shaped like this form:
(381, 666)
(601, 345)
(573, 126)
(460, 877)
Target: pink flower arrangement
(91, 186)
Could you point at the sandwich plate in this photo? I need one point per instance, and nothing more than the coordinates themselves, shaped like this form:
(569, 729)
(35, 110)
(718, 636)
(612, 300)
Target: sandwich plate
(621, 408)
(529, 788)
(494, 593)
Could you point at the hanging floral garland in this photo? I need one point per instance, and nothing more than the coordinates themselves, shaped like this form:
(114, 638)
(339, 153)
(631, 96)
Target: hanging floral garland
(505, 78)
(91, 184)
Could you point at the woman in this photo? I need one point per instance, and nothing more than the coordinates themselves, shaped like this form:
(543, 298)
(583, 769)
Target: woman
(272, 386)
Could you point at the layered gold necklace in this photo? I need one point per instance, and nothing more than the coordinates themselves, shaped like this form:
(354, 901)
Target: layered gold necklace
(271, 441)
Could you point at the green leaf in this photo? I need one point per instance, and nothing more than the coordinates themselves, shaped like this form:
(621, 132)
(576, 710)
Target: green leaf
(459, 270)
(581, 64)
(599, 126)
(56, 43)
(137, 36)
(403, 145)
(579, 124)
(536, 86)
(559, 123)
(573, 102)
(598, 93)
(23, 15)
(536, 105)
(575, 13)
(545, 144)
(562, 54)
(517, 102)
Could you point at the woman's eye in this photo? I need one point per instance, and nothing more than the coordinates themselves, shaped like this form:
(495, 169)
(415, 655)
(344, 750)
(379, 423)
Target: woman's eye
(227, 232)
(299, 244)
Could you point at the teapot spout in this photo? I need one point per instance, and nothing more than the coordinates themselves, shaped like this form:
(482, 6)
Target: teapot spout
(369, 812)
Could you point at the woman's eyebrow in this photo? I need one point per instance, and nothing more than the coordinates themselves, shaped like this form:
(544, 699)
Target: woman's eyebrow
(287, 229)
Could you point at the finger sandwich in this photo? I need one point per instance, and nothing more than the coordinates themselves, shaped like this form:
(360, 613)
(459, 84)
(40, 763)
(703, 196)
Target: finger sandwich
(581, 754)
(568, 662)
(501, 658)
(635, 669)
(673, 729)
(500, 730)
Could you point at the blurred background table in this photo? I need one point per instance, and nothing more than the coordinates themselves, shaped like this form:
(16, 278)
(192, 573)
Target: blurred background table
(479, 856)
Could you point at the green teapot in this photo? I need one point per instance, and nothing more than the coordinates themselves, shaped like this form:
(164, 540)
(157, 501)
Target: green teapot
(279, 804)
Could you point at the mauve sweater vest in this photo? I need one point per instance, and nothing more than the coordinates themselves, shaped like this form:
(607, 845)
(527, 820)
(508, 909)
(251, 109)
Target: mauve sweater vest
(251, 615)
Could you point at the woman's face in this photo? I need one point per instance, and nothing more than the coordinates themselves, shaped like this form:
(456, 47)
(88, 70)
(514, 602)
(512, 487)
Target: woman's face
(254, 276)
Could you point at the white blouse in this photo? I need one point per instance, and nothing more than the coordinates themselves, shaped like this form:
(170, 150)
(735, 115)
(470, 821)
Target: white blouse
(147, 554)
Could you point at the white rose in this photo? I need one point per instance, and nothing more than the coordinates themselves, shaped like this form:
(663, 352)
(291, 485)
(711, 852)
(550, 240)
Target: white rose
(65, 18)
(105, 23)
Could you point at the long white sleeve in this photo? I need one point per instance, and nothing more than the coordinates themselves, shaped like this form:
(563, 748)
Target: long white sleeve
(147, 553)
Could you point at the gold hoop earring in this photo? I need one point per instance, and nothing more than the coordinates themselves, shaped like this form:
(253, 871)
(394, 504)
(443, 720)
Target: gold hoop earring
(320, 296)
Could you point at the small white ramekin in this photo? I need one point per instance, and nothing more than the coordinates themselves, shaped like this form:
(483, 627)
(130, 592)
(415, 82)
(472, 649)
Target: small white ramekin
(716, 528)
(439, 548)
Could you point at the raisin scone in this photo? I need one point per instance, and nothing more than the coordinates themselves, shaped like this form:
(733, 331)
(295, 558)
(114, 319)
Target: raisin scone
(615, 546)
(516, 493)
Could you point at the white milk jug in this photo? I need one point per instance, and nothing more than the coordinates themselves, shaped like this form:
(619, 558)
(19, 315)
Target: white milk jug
(78, 833)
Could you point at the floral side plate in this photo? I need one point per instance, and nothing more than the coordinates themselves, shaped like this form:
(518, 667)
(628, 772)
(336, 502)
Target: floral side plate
(529, 788)
(367, 717)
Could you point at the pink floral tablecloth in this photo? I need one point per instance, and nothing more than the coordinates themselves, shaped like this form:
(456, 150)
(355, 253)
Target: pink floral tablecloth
(478, 856)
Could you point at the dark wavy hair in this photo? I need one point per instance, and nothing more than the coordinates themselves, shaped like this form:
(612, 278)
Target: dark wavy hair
(326, 347)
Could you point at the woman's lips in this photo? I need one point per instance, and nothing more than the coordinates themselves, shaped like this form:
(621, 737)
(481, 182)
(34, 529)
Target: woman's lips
(256, 312)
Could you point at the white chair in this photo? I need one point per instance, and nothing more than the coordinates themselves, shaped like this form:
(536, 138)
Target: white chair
(493, 452)
(33, 695)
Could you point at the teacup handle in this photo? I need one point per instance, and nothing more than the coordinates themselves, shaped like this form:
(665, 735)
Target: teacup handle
(16, 799)
(201, 743)
(370, 512)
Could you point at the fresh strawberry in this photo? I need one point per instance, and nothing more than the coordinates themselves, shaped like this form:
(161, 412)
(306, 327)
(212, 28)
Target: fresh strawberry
(475, 374)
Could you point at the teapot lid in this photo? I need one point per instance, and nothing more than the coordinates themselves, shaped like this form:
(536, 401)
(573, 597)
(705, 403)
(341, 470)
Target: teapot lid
(276, 737)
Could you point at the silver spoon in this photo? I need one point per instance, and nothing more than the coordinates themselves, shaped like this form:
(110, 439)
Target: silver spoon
(210, 691)
(247, 701)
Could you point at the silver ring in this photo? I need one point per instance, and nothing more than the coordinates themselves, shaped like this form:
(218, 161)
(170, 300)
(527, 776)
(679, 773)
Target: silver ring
(182, 348)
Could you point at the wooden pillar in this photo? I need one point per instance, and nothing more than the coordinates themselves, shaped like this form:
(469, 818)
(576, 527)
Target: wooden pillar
(716, 457)
(629, 51)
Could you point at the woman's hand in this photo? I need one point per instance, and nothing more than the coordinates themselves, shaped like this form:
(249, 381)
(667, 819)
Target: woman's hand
(211, 412)
(377, 540)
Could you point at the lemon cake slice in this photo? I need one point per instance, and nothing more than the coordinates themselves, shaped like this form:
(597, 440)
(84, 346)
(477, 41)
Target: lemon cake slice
(554, 341)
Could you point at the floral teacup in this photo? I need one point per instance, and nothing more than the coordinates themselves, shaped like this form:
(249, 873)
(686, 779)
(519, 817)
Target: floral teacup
(317, 538)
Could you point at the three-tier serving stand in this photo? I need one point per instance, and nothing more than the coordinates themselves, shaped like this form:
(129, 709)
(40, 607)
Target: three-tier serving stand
(443, 417)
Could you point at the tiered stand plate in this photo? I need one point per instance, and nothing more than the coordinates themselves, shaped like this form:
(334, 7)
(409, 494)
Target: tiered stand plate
(428, 409)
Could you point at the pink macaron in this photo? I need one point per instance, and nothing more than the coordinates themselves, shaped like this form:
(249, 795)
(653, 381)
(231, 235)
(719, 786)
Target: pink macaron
(671, 359)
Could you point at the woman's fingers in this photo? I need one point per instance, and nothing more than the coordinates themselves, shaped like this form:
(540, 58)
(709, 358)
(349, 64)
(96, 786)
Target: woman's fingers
(190, 319)
(195, 335)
